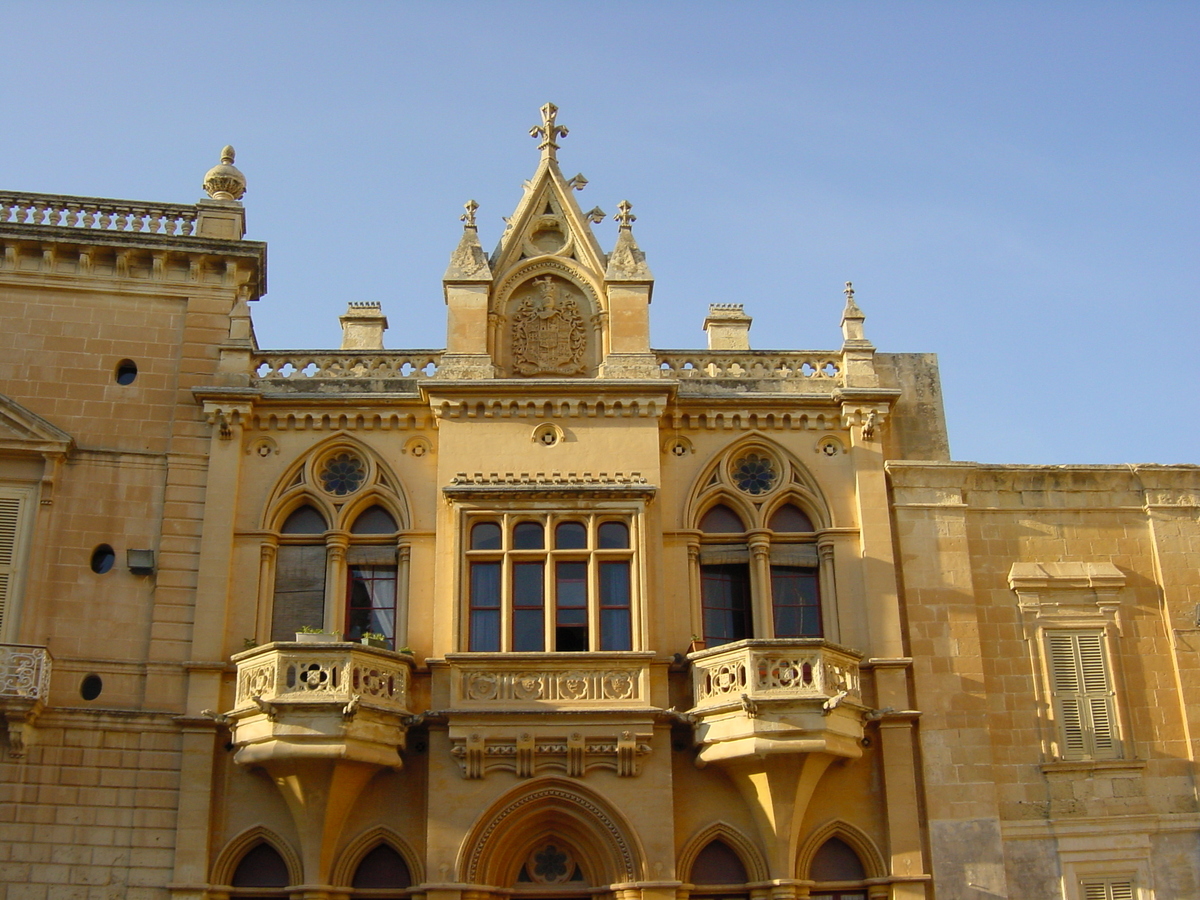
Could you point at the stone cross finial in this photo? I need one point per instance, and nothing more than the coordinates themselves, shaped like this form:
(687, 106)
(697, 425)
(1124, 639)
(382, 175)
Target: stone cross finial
(548, 131)
(625, 217)
(849, 292)
(468, 218)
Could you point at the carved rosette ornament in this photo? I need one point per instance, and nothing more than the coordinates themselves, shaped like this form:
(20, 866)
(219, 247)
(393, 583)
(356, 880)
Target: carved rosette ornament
(548, 336)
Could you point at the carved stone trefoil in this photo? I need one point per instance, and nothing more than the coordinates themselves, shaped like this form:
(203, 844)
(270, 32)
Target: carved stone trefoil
(548, 335)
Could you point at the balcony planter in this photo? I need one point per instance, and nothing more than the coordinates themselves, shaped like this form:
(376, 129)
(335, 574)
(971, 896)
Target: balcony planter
(317, 637)
(377, 643)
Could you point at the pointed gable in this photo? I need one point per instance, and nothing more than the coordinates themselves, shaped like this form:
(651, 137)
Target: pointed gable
(23, 430)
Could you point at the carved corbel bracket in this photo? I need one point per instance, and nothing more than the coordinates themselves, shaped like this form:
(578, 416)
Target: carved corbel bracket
(19, 718)
(869, 417)
(226, 417)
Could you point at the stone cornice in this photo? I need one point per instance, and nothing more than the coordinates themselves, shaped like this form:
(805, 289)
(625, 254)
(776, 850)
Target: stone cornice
(509, 485)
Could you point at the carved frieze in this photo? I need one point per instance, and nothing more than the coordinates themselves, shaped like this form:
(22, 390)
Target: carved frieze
(548, 334)
(527, 755)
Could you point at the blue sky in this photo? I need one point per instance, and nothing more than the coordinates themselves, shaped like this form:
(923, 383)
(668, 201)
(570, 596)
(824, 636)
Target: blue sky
(1013, 186)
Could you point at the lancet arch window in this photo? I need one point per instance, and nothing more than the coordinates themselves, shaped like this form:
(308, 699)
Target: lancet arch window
(763, 569)
(337, 561)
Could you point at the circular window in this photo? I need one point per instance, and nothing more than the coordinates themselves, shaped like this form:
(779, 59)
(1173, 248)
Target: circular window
(90, 687)
(551, 863)
(343, 474)
(755, 473)
(126, 371)
(103, 558)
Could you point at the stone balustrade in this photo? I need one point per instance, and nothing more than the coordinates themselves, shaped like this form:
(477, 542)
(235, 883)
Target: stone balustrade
(549, 680)
(818, 367)
(302, 367)
(96, 214)
(749, 671)
(333, 673)
(24, 687)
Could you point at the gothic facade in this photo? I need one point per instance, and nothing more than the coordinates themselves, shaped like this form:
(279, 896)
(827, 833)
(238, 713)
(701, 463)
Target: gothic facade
(550, 613)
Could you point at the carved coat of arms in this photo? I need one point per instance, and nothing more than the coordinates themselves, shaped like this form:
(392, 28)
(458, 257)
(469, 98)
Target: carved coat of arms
(548, 335)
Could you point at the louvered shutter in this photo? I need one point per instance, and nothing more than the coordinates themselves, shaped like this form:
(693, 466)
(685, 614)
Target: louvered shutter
(10, 517)
(1108, 890)
(1083, 696)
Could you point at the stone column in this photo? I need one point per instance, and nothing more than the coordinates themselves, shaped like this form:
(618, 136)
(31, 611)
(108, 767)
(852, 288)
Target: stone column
(336, 543)
(760, 584)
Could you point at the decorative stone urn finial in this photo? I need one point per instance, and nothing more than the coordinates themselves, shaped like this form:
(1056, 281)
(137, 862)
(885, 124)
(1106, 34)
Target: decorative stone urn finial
(225, 181)
(548, 132)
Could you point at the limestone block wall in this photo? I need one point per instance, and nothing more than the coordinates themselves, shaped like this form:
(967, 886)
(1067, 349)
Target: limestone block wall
(1006, 809)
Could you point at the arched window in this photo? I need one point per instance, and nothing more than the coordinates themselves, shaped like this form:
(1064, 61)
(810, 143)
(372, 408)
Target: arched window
(763, 583)
(717, 863)
(383, 867)
(837, 862)
(549, 582)
(261, 866)
(299, 574)
(371, 579)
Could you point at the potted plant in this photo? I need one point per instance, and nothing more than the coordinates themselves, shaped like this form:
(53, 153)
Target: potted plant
(697, 643)
(375, 639)
(309, 635)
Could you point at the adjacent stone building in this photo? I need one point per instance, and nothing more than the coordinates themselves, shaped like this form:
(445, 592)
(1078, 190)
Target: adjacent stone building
(550, 613)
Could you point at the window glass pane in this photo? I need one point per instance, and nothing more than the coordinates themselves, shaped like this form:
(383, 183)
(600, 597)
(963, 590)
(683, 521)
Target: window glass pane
(725, 595)
(528, 606)
(614, 536)
(528, 536)
(383, 867)
(261, 867)
(721, 520)
(570, 594)
(615, 620)
(299, 590)
(796, 602)
(836, 861)
(485, 536)
(304, 520)
(371, 602)
(375, 520)
(485, 606)
(570, 536)
(791, 518)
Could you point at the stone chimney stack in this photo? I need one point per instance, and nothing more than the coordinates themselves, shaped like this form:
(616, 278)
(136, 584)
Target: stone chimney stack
(728, 327)
(363, 326)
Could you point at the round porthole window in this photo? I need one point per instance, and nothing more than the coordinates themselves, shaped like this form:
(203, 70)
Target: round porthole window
(126, 371)
(755, 473)
(103, 558)
(343, 473)
(90, 687)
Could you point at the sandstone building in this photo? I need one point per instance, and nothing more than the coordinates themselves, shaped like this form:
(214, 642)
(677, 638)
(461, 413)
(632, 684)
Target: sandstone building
(550, 613)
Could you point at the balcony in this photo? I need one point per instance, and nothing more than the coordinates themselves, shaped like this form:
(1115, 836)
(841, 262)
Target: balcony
(334, 700)
(534, 712)
(762, 697)
(24, 685)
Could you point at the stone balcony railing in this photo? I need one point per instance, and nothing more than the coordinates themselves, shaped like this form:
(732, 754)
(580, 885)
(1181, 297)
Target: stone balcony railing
(545, 681)
(320, 701)
(749, 671)
(316, 370)
(336, 672)
(24, 687)
(96, 214)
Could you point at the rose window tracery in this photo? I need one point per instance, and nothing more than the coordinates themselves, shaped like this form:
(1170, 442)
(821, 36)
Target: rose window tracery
(755, 473)
(343, 473)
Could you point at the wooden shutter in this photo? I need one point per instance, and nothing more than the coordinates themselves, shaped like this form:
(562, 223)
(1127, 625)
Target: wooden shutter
(10, 519)
(299, 590)
(1083, 696)
(1107, 889)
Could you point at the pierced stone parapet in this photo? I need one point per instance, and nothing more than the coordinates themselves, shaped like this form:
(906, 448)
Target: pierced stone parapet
(550, 681)
(62, 211)
(24, 686)
(306, 369)
(742, 673)
(820, 369)
(526, 755)
(324, 673)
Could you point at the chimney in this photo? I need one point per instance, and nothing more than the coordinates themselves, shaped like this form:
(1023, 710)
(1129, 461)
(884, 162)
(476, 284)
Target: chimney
(363, 326)
(728, 327)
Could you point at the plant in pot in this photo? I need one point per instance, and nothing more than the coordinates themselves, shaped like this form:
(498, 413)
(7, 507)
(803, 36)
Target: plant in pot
(698, 643)
(310, 635)
(375, 639)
